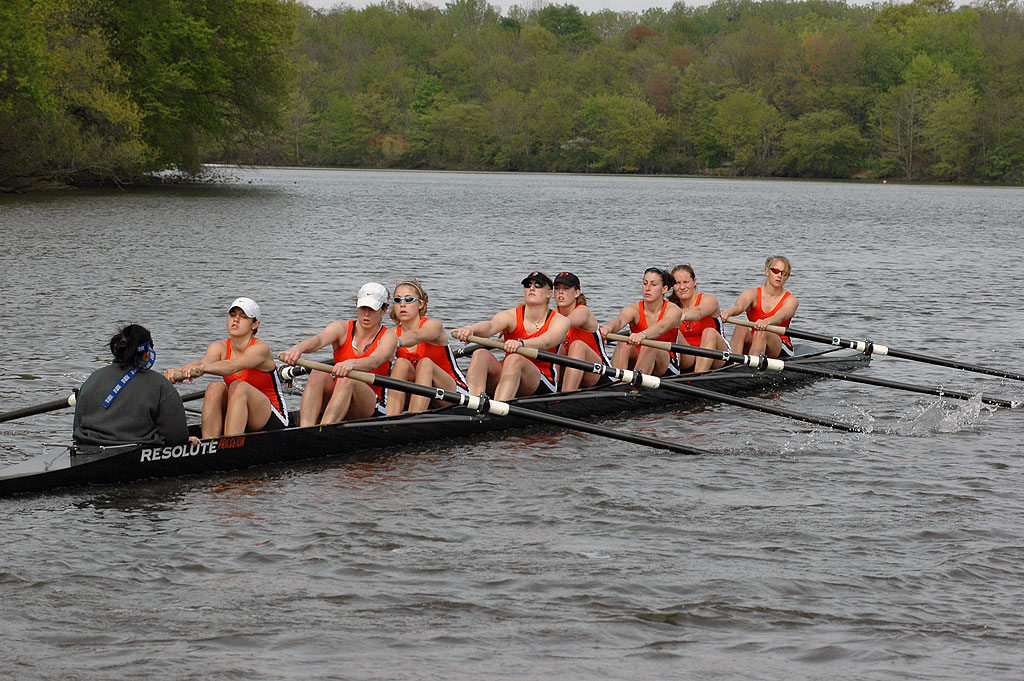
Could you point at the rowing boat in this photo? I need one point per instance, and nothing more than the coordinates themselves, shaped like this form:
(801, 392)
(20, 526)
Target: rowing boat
(366, 438)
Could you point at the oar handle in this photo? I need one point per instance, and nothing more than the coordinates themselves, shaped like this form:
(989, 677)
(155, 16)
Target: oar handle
(499, 345)
(781, 330)
(656, 344)
(354, 374)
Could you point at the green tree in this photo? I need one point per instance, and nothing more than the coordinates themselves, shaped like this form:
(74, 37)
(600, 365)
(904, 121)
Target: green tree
(66, 114)
(950, 133)
(822, 144)
(204, 73)
(566, 23)
(24, 66)
(511, 112)
(624, 131)
(747, 127)
(457, 135)
(900, 116)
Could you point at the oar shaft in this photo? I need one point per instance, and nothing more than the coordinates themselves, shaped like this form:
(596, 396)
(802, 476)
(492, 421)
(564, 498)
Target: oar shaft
(466, 350)
(759, 363)
(655, 383)
(879, 349)
(502, 408)
(624, 375)
(68, 401)
(898, 385)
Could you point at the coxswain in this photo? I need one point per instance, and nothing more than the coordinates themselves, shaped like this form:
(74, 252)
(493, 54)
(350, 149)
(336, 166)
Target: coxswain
(126, 402)
(584, 341)
(653, 318)
(701, 324)
(250, 398)
(430, 361)
(533, 324)
(770, 304)
(362, 344)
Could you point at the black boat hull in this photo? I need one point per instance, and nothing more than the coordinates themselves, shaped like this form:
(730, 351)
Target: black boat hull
(367, 437)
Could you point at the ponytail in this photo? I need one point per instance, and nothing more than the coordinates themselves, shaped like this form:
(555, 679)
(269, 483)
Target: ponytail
(130, 345)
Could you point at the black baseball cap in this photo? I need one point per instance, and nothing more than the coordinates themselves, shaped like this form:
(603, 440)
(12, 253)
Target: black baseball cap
(537, 275)
(567, 278)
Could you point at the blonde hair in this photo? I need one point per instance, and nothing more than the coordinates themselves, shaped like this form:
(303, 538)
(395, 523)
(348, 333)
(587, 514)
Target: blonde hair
(421, 293)
(784, 259)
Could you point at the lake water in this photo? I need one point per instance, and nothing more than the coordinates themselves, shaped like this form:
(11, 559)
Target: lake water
(791, 552)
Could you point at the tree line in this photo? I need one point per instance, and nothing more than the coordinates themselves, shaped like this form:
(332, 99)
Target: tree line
(108, 91)
(921, 91)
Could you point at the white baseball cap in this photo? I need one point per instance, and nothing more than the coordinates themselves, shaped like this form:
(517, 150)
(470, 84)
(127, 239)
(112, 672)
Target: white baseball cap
(248, 306)
(372, 295)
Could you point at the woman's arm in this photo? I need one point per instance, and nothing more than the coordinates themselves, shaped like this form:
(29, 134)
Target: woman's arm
(784, 314)
(583, 318)
(670, 320)
(382, 354)
(187, 372)
(627, 316)
(499, 323)
(335, 332)
(254, 356)
(742, 304)
(552, 338)
(708, 308)
(431, 332)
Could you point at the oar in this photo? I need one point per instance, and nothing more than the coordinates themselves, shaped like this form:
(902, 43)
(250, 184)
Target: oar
(655, 383)
(871, 348)
(466, 350)
(68, 401)
(484, 404)
(762, 363)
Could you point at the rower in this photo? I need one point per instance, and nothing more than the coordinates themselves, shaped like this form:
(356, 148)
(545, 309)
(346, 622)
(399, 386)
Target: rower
(251, 397)
(701, 324)
(583, 341)
(532, 324)
(424, 355)
(770, 304)
(652, 318)
(125, 402)
(363, 344)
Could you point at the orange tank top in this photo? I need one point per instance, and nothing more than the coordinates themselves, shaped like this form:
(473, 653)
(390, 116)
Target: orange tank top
(592, 339)
(441, 355)
(641, 326)
(692, 331)
(520, 332)
(265, 381)
(757, 312)
(346, 351)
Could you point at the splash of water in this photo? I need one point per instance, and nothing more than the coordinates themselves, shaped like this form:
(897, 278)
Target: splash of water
(944, 416)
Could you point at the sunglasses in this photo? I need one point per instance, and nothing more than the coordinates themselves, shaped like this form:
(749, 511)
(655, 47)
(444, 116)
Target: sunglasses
(534, 283)
(405, 299)
(776, 270)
